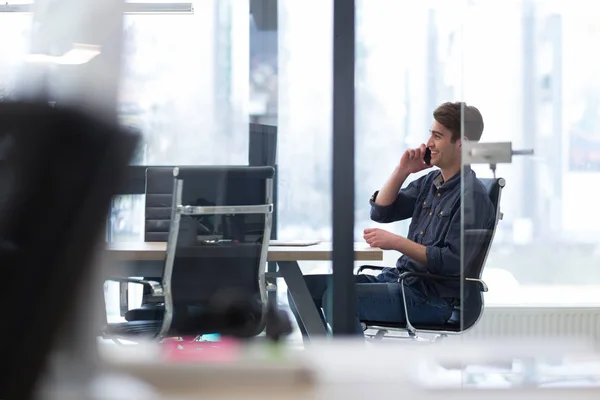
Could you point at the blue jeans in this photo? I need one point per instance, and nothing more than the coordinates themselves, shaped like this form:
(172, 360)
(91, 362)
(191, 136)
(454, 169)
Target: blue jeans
(379, 298)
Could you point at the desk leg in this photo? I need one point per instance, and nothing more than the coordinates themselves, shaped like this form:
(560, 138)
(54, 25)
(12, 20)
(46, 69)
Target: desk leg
(272, 284)
(304, 306)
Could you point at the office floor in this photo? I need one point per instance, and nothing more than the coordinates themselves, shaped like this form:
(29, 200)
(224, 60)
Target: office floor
(112, 298)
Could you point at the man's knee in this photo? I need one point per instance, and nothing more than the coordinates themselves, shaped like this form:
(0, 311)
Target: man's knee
(317, 285)
(364, 278)
(317, 281)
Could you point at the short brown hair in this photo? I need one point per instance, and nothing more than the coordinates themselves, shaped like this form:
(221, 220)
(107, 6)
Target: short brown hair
(449, 115)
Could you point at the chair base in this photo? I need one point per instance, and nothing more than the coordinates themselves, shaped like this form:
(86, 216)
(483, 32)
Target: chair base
(378, 334)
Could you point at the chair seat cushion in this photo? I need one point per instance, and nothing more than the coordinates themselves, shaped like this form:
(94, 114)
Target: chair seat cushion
(146, 313)
(452, 325)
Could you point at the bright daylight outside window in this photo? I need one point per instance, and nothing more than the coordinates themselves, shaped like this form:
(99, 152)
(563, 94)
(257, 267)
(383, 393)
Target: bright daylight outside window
(185, 87)
(14, 42)
(546, 248)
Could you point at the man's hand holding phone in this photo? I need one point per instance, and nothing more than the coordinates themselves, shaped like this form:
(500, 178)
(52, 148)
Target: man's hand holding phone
(413, 160)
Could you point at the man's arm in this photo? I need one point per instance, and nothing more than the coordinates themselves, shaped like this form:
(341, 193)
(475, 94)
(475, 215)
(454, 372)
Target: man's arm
(442, 260)
(401, 207)
(435, 259)
(390, 204)
(411, 249)
(385, 240)
(389, 192)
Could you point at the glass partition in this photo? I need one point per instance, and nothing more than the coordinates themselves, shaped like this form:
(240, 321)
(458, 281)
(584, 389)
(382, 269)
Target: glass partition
(549, 108)
(539, 140)
(526, 66)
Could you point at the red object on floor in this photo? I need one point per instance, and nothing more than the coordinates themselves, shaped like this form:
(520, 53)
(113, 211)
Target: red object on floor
(188, 349)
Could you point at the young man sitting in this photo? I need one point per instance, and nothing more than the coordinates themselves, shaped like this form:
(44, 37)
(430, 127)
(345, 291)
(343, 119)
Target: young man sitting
(433, 243)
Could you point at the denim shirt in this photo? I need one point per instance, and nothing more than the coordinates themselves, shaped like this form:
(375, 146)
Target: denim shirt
(435, 209)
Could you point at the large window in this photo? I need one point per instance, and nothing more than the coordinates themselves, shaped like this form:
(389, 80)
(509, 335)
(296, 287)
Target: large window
(390, 108)
(547, 248)
(192, 82)
(185, 87)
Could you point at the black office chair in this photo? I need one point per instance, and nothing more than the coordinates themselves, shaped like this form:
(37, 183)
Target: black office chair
(157, 219)
(469, 312)
(214, 278)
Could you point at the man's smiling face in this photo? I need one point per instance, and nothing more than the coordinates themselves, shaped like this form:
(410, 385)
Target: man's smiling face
(444, 152)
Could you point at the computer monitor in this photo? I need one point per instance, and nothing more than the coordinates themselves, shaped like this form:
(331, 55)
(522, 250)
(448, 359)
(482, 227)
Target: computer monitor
(263, 145)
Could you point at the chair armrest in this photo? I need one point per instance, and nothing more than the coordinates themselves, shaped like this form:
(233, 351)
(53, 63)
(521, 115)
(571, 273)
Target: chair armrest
(482, 285)
(369, 267)
(424, 275)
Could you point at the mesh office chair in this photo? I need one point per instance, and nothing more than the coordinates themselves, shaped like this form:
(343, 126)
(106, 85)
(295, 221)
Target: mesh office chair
(214, 278)
(468, 314)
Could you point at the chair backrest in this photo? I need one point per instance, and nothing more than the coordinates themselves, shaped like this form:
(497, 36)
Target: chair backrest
(472, 304)
(494, 188)
(214, 278)
(159, 199)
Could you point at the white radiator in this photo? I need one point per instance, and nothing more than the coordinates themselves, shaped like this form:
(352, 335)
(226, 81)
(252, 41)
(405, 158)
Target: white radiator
(539, 322)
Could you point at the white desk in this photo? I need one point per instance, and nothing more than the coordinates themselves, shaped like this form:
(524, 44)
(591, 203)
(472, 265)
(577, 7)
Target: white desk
(155, 251)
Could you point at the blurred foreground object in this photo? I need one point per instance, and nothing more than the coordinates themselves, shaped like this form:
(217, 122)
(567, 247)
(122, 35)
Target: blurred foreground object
(503, 368)
(59, 169)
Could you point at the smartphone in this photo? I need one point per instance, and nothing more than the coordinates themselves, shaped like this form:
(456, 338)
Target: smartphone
(427, 157)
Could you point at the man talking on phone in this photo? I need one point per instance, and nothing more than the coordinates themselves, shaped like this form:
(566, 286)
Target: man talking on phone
(433, 243)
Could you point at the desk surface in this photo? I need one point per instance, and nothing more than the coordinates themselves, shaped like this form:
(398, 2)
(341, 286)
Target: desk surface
(155, 251)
